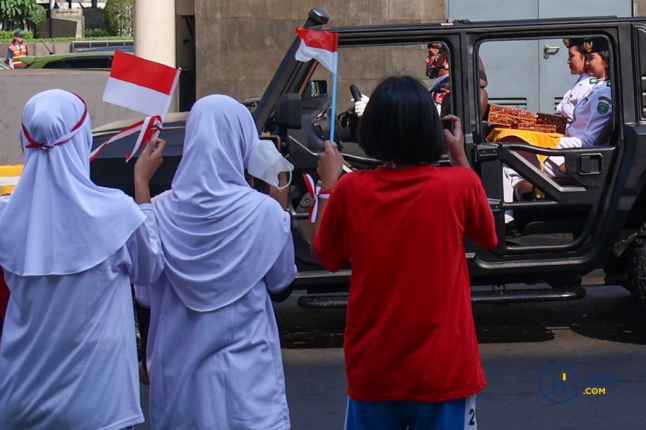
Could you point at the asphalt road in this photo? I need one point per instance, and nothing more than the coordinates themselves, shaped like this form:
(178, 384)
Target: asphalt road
(599, 340)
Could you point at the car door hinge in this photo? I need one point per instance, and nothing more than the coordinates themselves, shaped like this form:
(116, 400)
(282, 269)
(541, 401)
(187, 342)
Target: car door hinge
(486, 151)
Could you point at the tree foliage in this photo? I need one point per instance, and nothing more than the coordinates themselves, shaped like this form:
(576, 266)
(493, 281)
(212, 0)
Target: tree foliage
(119, 18)
(24, 14)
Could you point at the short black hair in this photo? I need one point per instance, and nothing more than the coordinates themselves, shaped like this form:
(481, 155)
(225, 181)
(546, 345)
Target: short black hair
(401, 123)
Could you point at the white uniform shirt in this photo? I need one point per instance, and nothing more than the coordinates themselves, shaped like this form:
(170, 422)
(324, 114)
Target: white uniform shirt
(213, 347)
(591, 125)
(68, 357)
(581, 88)
(591, 120)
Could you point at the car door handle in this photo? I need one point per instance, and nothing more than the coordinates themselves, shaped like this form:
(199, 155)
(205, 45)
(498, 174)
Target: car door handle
(550, 50)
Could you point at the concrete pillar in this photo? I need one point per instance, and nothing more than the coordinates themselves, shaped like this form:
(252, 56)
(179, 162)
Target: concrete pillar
(155, 30)
(639, 7)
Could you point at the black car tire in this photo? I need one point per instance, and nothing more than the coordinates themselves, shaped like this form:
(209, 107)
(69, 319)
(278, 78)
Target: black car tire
(636, 270)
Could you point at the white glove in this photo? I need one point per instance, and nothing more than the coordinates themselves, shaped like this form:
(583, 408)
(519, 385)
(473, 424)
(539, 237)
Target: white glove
(360, 106)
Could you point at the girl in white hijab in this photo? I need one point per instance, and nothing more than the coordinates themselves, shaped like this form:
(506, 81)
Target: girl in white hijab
(70, 250)
(213, 349)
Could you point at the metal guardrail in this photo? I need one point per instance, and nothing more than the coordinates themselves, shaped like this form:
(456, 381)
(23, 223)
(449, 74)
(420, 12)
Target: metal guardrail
(81, 45)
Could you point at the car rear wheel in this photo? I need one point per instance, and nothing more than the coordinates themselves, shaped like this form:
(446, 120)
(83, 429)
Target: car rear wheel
(636, 269)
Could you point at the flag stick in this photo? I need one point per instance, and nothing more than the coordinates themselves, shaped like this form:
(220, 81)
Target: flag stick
(333, 110)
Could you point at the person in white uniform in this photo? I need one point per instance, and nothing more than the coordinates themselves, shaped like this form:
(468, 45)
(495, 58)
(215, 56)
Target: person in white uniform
(591, 119)
(70, 250)
(583, 85)
(213, 351)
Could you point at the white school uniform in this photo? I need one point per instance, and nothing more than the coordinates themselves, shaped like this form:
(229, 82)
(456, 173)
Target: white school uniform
(576, 93)
(213, 349)
(69, 358)
(591, 125)
(220, 369)
(70, 250)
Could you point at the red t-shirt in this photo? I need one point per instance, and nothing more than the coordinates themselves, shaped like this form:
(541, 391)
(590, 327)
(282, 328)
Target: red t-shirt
(410, 334)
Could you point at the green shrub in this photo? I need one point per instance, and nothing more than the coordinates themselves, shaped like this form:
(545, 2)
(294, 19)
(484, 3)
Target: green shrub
(118, 16)
(96, 32)
(7, 36)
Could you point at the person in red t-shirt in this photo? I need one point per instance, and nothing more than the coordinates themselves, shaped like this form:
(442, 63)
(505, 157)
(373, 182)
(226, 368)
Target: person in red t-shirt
(411, 352)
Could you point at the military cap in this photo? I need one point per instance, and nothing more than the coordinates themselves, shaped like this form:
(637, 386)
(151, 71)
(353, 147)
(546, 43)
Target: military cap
(595, 44)
(437, 45)
(573, 41)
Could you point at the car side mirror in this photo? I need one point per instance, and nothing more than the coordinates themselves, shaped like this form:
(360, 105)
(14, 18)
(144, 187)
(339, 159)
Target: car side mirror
(315, 88)
(288, 111)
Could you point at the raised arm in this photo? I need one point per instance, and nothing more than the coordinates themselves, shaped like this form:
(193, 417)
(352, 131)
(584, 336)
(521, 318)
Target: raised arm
(146, 166)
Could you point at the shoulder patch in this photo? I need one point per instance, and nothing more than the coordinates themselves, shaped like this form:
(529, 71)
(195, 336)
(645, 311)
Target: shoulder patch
(593, 81)
(603, 108)
(608, 84)
(604, 98)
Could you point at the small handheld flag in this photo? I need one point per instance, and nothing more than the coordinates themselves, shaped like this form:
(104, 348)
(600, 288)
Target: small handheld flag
(141, 85)
(144, 86)
(318, 45)
(321, 46)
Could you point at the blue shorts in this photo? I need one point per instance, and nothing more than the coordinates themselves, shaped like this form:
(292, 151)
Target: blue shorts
(454, 415)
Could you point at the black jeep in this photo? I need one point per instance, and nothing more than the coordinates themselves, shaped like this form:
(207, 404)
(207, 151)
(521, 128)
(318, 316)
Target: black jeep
(585, 230)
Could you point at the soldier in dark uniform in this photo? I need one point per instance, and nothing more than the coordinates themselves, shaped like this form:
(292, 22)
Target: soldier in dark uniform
(437, 67)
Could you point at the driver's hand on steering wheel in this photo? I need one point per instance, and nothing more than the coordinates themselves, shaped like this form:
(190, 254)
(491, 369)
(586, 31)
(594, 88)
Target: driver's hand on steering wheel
(360, 106)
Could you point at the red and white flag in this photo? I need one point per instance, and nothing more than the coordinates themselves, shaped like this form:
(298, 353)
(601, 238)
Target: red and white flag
(141, 85)
(144, 86)
(148, 129)
(318, 45)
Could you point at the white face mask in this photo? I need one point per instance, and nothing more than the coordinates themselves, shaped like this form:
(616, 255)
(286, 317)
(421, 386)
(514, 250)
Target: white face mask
(265, 163)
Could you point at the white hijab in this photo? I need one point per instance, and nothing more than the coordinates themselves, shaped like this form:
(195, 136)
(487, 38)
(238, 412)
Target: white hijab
(57, 221)
(220, 236)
